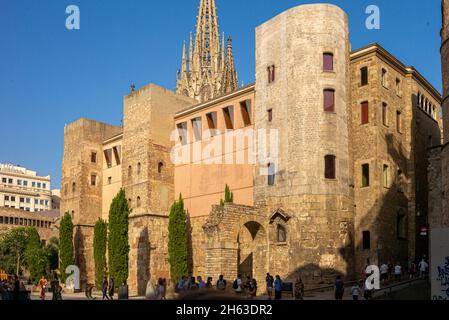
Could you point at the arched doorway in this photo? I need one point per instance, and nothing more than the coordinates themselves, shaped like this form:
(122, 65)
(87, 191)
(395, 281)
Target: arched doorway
(252, 251)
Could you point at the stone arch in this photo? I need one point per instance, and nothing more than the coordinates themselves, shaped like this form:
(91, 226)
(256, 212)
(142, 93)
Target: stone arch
(252, 251)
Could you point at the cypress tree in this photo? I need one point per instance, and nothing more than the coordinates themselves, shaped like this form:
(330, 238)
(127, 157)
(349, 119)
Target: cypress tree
(229, 196)
(66, 244)
(118, 246)
(177, 240)
(36, 257)
(100, 242)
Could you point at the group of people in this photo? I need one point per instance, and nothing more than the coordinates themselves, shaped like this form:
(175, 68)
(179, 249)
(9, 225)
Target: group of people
(243, 287)
(388, 272)
(108, 288)
(11, 289)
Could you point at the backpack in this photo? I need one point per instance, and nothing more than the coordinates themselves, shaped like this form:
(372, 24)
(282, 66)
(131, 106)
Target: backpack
(221, 284)
(235, 285)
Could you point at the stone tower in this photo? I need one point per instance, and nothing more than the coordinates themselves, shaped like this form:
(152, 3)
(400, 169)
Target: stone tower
(302, 85)
(208, 71)
(445, 73)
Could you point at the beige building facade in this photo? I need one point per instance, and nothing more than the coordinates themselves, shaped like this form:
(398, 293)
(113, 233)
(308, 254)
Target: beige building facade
(23, 189)
(324, 155)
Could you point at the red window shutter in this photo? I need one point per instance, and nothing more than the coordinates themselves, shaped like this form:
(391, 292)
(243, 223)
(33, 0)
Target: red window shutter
(365, 113)
(328, 62)
(329, 100)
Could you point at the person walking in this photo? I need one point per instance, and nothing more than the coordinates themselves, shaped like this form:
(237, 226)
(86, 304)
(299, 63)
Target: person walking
(111, 288)
(43, 287)
(355, 291)
(423, 266)
(237, 285)
(252, 289)
(299, 289)
(397, 272)
(104, 288)
(384, 273)
(339, 288)
(161, 289)
(278, 288)
(221, 283)
(413, 270)
(16, 288)
(55, 287)
(269, 282)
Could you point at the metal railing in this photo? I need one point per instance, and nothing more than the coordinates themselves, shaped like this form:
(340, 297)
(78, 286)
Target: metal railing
(388, 290)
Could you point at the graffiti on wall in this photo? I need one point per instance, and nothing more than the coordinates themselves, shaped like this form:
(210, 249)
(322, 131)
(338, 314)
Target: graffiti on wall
(443, 279)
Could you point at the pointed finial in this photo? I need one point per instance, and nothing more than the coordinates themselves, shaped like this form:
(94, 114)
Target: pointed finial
(133, 87)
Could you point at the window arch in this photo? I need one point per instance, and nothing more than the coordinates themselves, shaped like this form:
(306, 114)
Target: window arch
(281, 234)
(160, 167)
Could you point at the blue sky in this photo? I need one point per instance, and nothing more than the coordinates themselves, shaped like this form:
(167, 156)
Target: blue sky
(50, 76)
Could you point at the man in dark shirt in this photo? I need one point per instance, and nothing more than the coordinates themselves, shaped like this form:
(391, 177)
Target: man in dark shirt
(339, 288)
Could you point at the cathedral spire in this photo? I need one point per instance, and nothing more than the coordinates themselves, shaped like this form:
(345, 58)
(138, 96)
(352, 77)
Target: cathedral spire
(204, 70)
(229, 80)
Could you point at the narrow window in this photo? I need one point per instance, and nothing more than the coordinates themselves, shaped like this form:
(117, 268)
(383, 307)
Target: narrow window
(384, 78)
(130, 171)
(269, 74)
(182, 132)
(228, 114)
(271, 174)
(109, 180)
(401, 226)
(273, 73)
(93, 180)
(398, 87)
(197, 129)
(365, 112)
(399, 121)
(108, 157)
(138, 202)
(364, 76)
(329, 167)
(329, 100)
(93, 157)
(365, 175)
(139, 168)
(385, 114)
(270, 115)
(281, 234)
(160, 167)
(212, 123)
(385, 176)
(399, 175)
(73, 187)
(328, 62)
(366, 240)
(245, 108)
(117, 154)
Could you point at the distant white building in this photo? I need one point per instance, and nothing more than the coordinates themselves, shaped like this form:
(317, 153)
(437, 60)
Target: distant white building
(23, 189)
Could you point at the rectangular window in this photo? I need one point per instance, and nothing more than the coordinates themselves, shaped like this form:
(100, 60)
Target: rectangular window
(398, 87)
(93, 180)
(36, 201)
(6, 198)
(39, 185)
(93, 157)
(33, 184)
(1, 219)
(365, 113)
(19, 182)
(10, 181)
(329, 167)
(385, 176)
(41, 202)
(44, 186)
(366, 240)
(108, 157)
(212, 122)
(4, 180)
(22, 200)
(385, 114)
(270, 115)
(197, 129)
(401, 226)
(271, 73)
(365, 175)
(245, 108)
(399, 122)
(364, 76)
(13, 199)
(329, 100)
(328, 62)
(271, 174)
(25, 183)
(182, 132)
(228, 114)
(117, 154)
(109, 180)
(383, 78)
(28, 200)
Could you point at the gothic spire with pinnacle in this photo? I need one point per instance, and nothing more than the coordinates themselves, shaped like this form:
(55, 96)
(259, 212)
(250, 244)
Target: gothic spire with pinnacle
(203, 71)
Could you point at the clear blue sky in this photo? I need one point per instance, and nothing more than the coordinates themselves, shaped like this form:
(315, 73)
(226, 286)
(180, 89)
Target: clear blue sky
(50, 76)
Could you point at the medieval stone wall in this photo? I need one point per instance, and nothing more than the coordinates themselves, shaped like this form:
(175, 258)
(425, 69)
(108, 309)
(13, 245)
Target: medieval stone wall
(320, 228)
